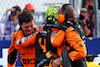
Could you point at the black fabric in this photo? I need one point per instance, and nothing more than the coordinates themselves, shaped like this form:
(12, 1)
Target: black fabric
(12, 57)
(66, 59)
(40, 55)
(79, 63)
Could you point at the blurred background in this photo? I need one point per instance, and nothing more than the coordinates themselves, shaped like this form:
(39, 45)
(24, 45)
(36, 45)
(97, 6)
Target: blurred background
(39, 17)
(39, 5)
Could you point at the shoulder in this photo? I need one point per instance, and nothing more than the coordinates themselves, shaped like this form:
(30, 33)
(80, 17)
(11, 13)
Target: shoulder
(70, 32)
(14, 34)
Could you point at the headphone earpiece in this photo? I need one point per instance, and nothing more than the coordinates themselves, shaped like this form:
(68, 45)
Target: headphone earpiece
(64, 18)
(61, 18)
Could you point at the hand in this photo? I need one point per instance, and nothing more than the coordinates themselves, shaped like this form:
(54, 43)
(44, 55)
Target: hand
(56, 62)
(82, 21)
(11, 9)
(41, 28)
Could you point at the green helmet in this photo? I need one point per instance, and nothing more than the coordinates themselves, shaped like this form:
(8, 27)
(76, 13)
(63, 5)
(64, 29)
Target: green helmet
(52, 12)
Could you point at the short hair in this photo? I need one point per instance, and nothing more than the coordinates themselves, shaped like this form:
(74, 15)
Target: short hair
(25, 16)
(64, 7)
(17, 8)
(84, 10)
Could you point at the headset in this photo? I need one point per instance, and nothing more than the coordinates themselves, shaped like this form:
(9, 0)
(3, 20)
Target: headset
(64, 18)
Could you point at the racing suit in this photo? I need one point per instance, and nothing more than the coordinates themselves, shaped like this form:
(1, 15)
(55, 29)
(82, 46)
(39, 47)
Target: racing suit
(26, 48)
(73, 39)
(59, 40)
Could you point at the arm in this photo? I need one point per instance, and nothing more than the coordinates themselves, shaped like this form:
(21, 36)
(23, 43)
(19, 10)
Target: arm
(85, 27)
(5, 16)
(25, 41)
(56, 41)
(86, 30)
(57, 38)
(12, 53)
(77, 43)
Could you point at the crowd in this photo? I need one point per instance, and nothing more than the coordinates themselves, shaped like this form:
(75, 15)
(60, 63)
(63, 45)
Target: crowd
(10, 23)
(61, 39)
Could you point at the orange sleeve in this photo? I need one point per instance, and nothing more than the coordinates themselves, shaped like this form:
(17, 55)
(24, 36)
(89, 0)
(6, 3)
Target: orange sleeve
(12, 53)
(25, 41)
(57, 39)
(76, 42)
(19, 34)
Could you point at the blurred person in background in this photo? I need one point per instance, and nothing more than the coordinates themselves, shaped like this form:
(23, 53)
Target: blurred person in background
(86, 23)
(90, 7)
(11, 21)
(31, 8)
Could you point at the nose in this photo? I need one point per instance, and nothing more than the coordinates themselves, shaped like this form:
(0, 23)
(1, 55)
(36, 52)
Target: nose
(30, 28)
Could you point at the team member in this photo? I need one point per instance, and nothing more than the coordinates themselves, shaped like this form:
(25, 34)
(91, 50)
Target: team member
(26, 49)
(43, 44)
(74, 38)
(57, 42)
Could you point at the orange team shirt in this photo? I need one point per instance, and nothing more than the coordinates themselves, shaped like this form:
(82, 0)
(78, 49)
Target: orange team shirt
(26, 48)
(73, 39)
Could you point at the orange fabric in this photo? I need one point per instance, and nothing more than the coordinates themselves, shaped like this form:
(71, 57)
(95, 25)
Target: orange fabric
(29, 42)
(58, 38)
(43, 46)
(11, 48)
(61, 18)
(13, 65)
(76, 42)
(26, 50)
